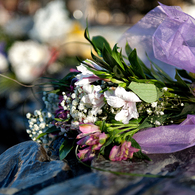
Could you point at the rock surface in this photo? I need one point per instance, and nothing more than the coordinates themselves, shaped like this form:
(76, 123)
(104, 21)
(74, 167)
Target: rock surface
(26, 169)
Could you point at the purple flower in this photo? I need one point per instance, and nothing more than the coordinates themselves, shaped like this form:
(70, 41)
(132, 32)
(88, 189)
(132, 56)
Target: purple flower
(123, 152)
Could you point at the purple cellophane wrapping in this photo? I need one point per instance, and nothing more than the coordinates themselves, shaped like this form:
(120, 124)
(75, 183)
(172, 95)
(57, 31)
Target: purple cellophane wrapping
(167, 35)
(174, 39)
(167, 139)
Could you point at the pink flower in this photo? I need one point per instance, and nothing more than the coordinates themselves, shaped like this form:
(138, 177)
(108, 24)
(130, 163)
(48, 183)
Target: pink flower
(86, 76)
(87, 129)
(92, 137)
(86, 154)
(122, 152)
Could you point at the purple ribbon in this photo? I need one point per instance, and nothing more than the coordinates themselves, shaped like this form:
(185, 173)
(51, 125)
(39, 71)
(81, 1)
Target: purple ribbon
(168, 139)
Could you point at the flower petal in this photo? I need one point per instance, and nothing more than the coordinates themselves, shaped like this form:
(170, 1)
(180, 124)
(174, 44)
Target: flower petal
(122, 116)
(87, 129)
(113, 153)
(127, 96)
(115, 101)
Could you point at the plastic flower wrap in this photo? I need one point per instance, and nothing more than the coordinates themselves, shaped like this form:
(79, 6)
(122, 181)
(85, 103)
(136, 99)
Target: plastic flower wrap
(116, 106)
(166, 35)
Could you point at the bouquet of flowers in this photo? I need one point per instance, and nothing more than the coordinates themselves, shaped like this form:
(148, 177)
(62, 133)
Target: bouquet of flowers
(116, 106)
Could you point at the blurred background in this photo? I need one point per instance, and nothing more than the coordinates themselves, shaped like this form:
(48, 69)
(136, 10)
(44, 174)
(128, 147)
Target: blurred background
(41, 38)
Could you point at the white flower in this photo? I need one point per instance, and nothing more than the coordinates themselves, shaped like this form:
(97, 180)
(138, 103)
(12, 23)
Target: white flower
(161, 113)
(94, 99)
(127, 100)
(157, 123)
(42, 125)
(28, 115)
(154, 104)
(149, 111)
(51, 23)
(164, 89)
(86, 76)
(28, 58)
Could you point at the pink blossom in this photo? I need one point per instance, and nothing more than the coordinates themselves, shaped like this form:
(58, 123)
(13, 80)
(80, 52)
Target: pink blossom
(87, 129)
(86, 76)
(86, 154)
(92, 137)
(122, 152)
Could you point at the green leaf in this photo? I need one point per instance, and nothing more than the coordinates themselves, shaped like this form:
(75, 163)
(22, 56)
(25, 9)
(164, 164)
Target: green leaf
(145, 69)
(157, 83)
(137, 69)
(100, 62)
(184, 74)
(102, 74)
(108, 58)
(147, 92)
(188, 109)
(146, 123)
(180, 81)
(156, 75)
(101, 42)
(61, 120)
(118, 57)
(128, 49)
(165, 75)
(109, 140)
(50, 130)
(65, 148)
(86, 35)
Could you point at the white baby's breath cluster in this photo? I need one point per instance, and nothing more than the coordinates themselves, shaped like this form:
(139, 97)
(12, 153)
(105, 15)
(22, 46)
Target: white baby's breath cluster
(81, 104)
(157, 109)
(39, 123)
(51, 101)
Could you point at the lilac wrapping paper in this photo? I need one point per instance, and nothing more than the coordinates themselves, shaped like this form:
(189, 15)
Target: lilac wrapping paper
(167, 35)
(167, 139)
(174, 39)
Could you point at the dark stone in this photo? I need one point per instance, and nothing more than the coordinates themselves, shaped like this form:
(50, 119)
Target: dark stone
(76, 167)
(25, 168)
(165, 174)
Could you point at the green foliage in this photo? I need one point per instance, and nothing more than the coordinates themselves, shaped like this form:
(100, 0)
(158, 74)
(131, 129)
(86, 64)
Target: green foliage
(50, 130)
(147, 92)
(65, 148)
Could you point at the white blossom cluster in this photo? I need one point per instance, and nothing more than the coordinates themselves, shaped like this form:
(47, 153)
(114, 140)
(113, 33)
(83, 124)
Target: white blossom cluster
(28, 58)
(80, 106)
(51, 101)
(156, 109)
(51, 23)
(39, 123)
